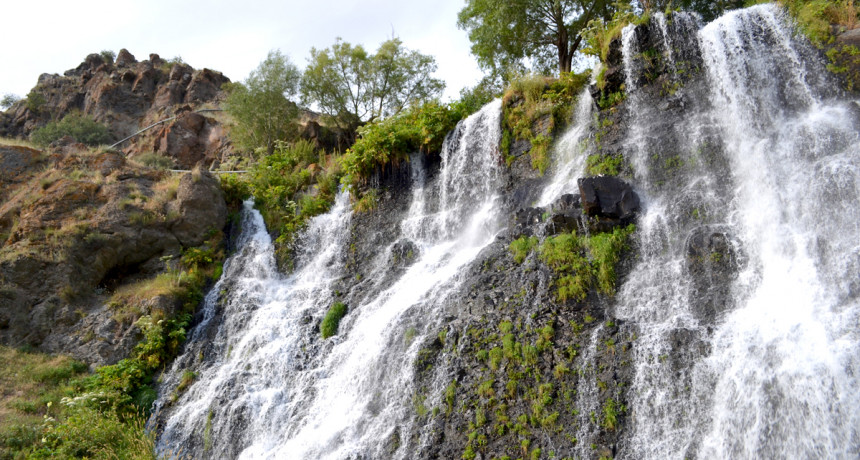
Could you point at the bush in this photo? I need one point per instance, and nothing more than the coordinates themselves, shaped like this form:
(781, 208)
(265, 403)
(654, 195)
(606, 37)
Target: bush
(80, 127)
(155, 161)
(108, 56)
(581, 262)
(815, 17)
(521, 247)
(329, 324)
(35, 101)
(604, 164)
(420, 128)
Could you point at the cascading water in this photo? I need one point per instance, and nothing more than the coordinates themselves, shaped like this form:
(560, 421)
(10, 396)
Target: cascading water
(743, 295)
(746, 293)
(260, 394)
(570, 152)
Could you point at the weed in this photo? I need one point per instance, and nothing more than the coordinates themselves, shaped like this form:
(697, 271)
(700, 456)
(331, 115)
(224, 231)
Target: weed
(330, 323)
(521, 247)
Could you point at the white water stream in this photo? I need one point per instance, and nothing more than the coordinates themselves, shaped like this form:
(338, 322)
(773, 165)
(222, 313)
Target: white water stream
(774, 374)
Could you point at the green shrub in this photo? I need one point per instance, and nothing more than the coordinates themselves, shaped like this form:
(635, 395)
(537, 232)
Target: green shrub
(155, 160)
(530, 99)
(521, 247)
(80, 127)
(392, 140)
(581, 262)
(603, 164)
(108, 56)
(330, 323)
(35, 101)
(281, 185)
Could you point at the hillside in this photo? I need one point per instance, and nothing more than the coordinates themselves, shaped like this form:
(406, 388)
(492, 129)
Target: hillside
(128, 95)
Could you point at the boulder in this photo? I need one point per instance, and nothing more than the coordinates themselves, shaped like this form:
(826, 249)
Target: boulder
(404, 253)
(170, 94)
(608, 197)
(205, 85)
(180, 139)
(201, 207)
(124, 58)
(565, 215)
(525, 219)
(850, 38)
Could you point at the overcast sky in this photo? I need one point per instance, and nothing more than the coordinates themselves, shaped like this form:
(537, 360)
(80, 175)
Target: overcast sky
(229, 36)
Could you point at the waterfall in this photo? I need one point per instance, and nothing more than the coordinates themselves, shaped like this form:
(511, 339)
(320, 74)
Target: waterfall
(746, 292)
(268, 386)
(570, 152)
(743, 293)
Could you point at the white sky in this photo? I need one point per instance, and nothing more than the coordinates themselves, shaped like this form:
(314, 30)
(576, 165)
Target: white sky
(53, 36)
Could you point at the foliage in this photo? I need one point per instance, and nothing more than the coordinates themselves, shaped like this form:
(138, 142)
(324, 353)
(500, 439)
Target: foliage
(352, 87)
(108, 56)
(814, 17)
(43, 417)
(544, 34)
(420, 128)
(8, 100)
(281, 184)
(262, 105)
(330, 323)
(473, 98)
(530, 98)
(35, 101)
(845, 61)
(155, 160)
(598, 33)
(709, 9)
(521, 247)
(603, 164)
(581, 262)
(80, 127)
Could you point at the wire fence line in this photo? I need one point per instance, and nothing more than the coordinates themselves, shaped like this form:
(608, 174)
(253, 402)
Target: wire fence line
(160, 122)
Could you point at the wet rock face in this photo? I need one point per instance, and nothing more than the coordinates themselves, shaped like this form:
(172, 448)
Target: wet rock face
(714, 259)
(607, 196)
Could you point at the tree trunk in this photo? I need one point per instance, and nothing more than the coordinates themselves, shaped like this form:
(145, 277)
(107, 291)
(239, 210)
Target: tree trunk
(564, 52)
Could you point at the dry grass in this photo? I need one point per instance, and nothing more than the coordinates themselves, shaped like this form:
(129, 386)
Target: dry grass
(165, 284)
(164, 191)
(18, 143)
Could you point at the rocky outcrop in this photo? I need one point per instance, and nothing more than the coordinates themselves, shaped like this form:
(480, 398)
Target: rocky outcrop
(74, 228)
(127, 95)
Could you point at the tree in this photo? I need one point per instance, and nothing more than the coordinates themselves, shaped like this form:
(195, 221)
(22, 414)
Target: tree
(507, 34)
(8, 100)
(262, 105)
(353, 87)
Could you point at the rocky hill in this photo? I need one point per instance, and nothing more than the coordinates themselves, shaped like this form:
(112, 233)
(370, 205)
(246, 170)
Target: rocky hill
(84, 238)
(128, 95)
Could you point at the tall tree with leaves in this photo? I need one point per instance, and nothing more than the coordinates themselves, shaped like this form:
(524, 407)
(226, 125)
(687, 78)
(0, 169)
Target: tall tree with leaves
(352, 86)
(507, 34)
(262, 105)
